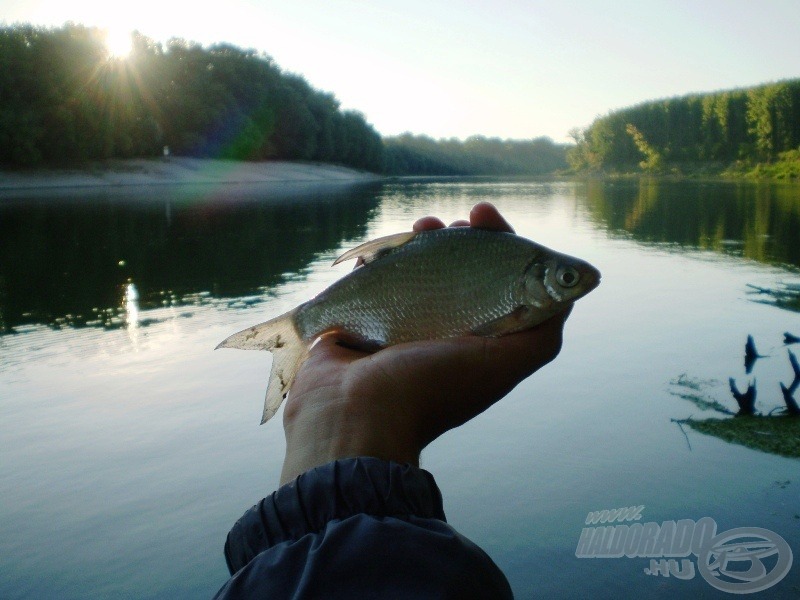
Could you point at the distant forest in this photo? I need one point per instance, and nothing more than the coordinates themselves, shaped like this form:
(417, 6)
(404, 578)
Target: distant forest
(421, 155)
(64, 99)
(747, 126)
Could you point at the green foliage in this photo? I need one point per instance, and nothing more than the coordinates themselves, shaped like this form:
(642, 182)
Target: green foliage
(653, 161)
(786, 166)
(757, 124)
(772, 116)
(421, 155)
(63, 99)
(775, 435)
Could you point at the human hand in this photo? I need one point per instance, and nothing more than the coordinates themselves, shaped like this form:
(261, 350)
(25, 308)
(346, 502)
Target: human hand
(392, 403)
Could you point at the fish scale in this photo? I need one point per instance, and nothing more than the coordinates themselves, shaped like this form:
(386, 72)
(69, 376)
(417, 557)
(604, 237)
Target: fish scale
(420, 286)
(433, 287)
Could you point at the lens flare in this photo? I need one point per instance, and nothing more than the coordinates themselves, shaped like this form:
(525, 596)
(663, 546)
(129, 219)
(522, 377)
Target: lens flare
(119, 43)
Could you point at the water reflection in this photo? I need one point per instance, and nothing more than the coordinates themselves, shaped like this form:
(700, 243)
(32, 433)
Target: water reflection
(158, 452)
(775, 435)
(62, 262)
(131, 306)
(783, 295)
(776, 432)
(132, 313)
(760, 222)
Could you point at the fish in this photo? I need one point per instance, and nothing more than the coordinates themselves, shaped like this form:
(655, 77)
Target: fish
(412, 286)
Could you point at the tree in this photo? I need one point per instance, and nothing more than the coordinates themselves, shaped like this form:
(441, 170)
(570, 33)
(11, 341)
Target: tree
(63, 98)
(653, 160)
(754, 124)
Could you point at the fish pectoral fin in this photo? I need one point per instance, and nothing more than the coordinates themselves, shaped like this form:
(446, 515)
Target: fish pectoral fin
(517, 320)
(375, 249)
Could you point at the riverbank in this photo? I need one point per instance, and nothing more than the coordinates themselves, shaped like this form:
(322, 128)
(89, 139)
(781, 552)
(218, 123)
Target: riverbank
(785, 168)
(180, 171)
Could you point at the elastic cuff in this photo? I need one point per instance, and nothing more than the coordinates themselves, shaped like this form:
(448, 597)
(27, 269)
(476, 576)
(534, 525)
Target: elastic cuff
(336, 490)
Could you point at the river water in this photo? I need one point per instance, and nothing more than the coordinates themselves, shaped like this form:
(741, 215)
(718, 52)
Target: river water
(129, 448)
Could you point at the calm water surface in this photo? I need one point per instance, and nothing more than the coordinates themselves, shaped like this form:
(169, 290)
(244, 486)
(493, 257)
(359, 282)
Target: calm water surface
(129, 448)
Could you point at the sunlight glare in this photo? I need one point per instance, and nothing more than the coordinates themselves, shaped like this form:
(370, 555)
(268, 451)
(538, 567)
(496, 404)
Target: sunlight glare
(119, 43)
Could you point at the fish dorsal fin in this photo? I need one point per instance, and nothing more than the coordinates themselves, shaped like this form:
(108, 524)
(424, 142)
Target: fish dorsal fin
(373, 250)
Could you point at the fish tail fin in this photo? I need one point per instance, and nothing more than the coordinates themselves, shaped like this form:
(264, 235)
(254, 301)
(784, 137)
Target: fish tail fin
(280, 337)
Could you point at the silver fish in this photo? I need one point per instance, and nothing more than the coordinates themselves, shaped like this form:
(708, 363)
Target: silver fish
(412, 286)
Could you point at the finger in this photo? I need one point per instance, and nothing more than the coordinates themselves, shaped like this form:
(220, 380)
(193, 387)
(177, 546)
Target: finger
(484, 215)
(527, 351)
(428, 223)
(479, 371)
(509, 358)
(459, 223)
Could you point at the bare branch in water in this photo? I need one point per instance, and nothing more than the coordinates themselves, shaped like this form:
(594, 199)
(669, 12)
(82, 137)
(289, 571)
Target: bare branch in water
(745, 401)
(680, 423)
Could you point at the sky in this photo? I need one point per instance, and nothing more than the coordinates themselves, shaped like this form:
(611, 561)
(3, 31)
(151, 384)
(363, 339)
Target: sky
(455, 68)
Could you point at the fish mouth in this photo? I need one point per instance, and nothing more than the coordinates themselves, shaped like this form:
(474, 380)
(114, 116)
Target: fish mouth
(596, 276)
(592, 278)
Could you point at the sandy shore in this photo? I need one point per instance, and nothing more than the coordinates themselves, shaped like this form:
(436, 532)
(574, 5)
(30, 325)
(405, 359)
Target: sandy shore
(180, 170)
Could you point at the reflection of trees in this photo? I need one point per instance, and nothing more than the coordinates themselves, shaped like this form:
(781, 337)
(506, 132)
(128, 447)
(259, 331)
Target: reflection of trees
(69, 258)
(761, 222)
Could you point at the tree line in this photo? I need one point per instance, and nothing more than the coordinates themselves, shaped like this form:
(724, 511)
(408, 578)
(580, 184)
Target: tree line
(421, 155)
(63, 99)
(754, 125)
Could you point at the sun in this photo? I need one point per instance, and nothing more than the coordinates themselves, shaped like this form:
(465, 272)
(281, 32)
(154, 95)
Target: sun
(119, 43)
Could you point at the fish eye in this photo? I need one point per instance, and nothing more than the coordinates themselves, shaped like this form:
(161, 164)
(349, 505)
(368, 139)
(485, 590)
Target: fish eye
(567, 277)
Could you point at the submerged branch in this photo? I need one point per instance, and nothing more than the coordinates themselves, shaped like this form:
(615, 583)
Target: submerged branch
(785, 296)
(747, 400)
(679, 423)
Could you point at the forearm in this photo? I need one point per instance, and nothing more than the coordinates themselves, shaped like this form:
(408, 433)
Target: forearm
(319, 431)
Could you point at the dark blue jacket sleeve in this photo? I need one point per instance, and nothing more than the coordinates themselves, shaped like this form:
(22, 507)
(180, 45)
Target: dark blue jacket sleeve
(354, 528)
